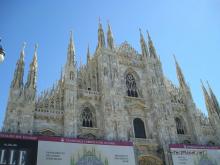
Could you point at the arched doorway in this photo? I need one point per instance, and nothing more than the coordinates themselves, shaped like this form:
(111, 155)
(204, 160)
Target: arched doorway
(139, 129)
(150, 160)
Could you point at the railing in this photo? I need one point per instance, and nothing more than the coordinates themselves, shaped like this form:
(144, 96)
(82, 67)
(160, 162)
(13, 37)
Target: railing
(45, 111)
(88, 92)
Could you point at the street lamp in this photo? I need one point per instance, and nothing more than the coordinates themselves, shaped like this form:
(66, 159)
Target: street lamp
(2, 53)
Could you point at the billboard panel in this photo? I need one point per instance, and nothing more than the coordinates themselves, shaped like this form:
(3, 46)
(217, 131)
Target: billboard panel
(17, 151)
(195, 154)
(84, 152)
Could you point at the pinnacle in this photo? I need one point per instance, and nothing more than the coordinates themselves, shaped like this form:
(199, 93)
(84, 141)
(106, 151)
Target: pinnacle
(22, 50)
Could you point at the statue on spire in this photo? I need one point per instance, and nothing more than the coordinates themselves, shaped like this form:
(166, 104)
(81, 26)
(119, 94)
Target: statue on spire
(101, 36)
(71, 50)
(32, 75)
(180, 74)
(88, 55)
(152, 49)
(110, 39)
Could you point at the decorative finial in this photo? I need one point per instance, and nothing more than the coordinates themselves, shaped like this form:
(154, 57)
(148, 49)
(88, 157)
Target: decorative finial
(2, 53)
(208, 84)
(35, 55)
(148, 35)
(24, 45)
(201, 82)
(61, 73)
(140, 30)
(71, 35)
(141, 33)
(88, 54)
(80, 61)
(100, 24)
(109, 27)
(22, 50)
(174, 57)
(35, 47)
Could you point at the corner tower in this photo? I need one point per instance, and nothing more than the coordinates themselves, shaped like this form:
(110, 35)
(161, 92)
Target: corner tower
(70, 91)
(21, 102)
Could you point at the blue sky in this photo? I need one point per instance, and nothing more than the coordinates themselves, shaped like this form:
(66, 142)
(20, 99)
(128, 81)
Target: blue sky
(190, 29)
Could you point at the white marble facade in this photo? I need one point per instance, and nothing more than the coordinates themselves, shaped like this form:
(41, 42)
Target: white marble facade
(119, 94)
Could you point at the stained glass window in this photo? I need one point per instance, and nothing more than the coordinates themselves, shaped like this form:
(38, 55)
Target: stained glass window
(131, 86)
(87, 118)
(179, 126)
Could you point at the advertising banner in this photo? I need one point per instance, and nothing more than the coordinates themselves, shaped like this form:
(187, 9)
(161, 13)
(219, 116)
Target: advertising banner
(18, 150)
(195, 154)
(84, 152)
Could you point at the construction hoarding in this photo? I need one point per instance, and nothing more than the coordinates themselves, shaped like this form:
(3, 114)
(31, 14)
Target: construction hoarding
(40, 150)
(195, 154)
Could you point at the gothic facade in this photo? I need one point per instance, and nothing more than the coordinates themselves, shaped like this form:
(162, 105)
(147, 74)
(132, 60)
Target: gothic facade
(119, 94)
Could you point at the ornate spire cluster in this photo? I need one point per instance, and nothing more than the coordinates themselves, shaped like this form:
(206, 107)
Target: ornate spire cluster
(211, 101)
(29, 90)
(101, 37)
(148, 49)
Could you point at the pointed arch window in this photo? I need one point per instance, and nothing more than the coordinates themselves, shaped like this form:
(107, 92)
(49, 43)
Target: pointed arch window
(88, 118)
(179, 126)
(139, 129)
(57, 102)
(131, 85)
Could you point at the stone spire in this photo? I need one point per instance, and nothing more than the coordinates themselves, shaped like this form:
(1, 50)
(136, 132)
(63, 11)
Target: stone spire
(207, 99)
(32, 75)
(180, 74)
(144, 47)
(71, 51)
(61, 75)
(214, 100)
(80, 62)
(19, 71)
(101, 36)
(152, 49)
(88, 55)
(110, 39)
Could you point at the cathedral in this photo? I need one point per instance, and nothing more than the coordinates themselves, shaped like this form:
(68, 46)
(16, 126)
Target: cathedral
(120, 94)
